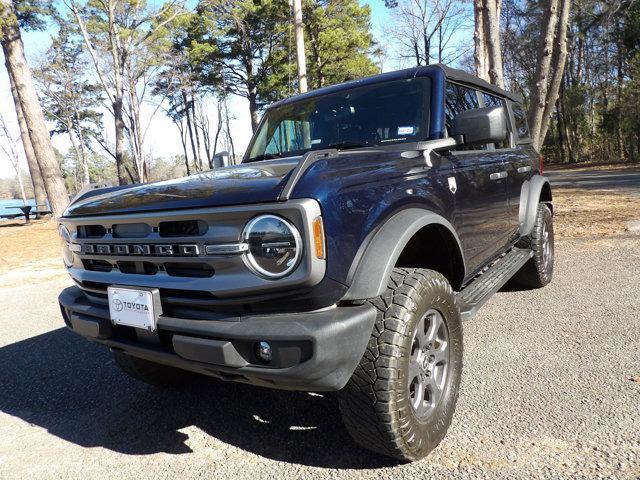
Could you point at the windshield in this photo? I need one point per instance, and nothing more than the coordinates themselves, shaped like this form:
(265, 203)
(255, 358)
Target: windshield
(378, 114)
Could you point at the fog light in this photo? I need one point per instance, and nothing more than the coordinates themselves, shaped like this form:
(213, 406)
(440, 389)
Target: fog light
(264, 351)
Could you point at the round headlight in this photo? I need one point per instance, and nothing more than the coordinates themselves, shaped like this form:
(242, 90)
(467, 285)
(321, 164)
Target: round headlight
(67, 254)
(275, 246)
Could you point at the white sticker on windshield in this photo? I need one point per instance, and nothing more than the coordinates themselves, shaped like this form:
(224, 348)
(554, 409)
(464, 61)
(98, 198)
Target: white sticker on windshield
(316, 141)
(408, 130)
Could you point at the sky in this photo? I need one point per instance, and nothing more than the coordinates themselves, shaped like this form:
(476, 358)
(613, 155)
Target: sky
(162, 138)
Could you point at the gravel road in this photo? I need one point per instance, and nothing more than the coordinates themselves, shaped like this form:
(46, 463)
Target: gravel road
(546, 392)
(620, 180)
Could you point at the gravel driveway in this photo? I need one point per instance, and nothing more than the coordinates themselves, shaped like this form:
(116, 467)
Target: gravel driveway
(546, 392)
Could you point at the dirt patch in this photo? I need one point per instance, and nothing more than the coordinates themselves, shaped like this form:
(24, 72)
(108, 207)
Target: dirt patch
(586, 213)
(29, 246)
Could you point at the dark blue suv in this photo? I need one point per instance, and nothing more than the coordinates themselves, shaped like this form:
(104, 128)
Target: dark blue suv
(365, 223)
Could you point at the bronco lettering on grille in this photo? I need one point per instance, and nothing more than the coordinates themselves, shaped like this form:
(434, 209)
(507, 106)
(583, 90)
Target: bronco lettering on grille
(141, 250)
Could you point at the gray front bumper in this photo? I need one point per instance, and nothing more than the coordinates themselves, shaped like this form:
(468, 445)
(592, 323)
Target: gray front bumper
(316, 351)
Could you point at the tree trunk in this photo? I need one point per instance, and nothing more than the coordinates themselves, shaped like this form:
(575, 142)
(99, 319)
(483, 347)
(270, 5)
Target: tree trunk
(124, 175)
(541, 79)
(479, 41)
(427, 47)
(187, 111)
(183, 140)
(218, 130)
(620, 79)
(196, 132)
(492, 37)
(227, 122)
(253, 107)
(83, 150)
(31, 109)
(560, 60)
(301, 57)
(39, 192)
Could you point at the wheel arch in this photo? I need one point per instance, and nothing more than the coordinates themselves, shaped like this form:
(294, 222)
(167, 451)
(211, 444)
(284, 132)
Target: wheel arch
(533, 192)
(397, 244)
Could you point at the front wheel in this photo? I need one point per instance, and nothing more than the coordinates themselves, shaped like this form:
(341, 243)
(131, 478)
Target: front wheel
(402, 395)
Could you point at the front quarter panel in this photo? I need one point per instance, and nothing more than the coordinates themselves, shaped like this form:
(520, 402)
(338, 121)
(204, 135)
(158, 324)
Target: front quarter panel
(359, 191)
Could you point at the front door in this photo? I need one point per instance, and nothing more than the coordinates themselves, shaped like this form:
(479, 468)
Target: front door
(481, 204)
(482, 207)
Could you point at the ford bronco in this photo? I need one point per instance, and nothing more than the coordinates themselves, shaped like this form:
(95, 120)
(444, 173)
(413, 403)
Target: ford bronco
(366, 221)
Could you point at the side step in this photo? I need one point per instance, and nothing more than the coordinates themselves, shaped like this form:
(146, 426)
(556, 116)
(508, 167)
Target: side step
(476, 293)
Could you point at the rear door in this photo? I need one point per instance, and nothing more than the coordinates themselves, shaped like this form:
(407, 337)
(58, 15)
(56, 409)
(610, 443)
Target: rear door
(516, 151)
(523, 159)
(481, 195)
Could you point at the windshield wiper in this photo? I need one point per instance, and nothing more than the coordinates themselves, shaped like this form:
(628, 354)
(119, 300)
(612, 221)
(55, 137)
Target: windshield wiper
(265, 156)
(347, 145)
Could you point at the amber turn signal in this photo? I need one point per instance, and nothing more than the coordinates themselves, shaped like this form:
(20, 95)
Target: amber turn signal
(318, 238)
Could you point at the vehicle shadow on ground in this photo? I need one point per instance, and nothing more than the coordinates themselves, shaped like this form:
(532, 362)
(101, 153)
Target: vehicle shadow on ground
(72, 388)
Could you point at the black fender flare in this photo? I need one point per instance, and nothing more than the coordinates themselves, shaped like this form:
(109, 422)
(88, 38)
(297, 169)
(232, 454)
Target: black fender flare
(535, 190)
(371, 270)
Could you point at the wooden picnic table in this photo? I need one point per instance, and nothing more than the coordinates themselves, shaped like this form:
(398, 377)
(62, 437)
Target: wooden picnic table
(26, 212)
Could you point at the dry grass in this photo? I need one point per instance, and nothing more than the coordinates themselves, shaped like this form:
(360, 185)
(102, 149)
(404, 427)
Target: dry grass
(28, 245)
(586, 213)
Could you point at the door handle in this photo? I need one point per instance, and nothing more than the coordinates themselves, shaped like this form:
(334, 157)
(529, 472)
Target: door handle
(524, 169)
(497, 175)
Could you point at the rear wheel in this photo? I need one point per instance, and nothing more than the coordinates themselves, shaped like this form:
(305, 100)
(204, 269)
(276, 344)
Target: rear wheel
(401, 397)
(151, 372)
(538, 271)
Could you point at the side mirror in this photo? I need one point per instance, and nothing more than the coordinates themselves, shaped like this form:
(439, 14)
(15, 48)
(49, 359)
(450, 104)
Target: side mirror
(481, 125)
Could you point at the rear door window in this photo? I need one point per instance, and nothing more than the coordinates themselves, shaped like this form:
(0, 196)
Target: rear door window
(494, 101)
(459, 98)
(522, 127)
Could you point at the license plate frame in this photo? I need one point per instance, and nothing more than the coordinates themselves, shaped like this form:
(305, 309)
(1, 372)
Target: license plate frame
(137, 307)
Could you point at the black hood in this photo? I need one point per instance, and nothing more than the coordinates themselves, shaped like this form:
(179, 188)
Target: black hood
(256, 182)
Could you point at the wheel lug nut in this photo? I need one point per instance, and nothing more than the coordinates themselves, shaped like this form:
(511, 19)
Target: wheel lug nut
(432, 358)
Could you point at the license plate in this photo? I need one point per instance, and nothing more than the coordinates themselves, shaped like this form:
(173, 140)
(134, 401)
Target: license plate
(134, 307)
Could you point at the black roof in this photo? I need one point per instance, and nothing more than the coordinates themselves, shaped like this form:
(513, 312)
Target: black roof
(459, 76)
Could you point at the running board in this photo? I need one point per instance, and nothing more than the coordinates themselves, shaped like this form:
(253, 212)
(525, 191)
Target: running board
(476, 293)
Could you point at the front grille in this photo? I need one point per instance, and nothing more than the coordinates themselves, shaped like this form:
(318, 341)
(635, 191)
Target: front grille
(195, 270)
(97, 265)
(131, 230)
(140, 268)
(183, 228)
(103, 247)
(91, 231)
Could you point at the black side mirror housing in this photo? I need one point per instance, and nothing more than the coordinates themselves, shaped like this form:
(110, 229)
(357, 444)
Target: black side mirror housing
(481, 125)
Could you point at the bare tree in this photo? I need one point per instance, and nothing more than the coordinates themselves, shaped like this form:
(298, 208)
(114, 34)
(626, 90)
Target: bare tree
(71, 101)
(8, 148)
(17, 66)
(559, 61)
(124, 31)
(487, 45)
(543, 69)
(550, 68)
(39, 192)
(420, 25)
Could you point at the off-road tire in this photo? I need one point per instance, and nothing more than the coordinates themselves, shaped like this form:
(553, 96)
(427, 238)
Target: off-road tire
(375, 403)
(151, 372)
(538, 271)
